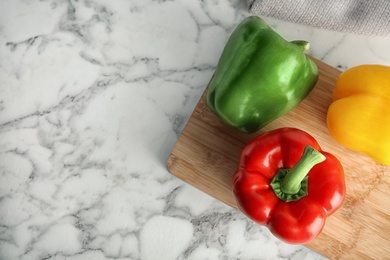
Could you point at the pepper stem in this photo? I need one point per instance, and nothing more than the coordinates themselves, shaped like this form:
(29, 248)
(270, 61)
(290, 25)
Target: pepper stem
(291, 184)
(303, 45)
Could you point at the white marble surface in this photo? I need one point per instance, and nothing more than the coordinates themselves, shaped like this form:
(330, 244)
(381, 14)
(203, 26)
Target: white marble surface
(93, 97)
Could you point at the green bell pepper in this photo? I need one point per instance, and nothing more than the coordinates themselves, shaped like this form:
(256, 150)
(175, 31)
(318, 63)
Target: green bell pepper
(259, 77)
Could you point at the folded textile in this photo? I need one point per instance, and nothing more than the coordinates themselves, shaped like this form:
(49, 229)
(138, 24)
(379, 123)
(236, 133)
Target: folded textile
(367, 17)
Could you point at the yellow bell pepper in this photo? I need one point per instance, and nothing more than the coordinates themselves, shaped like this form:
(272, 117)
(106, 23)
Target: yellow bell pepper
(359, 117)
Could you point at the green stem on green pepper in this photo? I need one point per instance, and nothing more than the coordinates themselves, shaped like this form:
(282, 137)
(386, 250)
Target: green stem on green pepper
(303, 45)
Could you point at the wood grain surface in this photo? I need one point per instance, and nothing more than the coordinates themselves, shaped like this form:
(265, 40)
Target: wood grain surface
(207, 152)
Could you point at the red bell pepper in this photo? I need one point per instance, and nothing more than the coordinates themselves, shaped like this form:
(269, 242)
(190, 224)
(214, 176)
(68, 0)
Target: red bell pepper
(286, 182)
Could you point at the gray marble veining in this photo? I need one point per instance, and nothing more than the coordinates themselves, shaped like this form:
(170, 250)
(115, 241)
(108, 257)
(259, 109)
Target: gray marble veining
(94, 95)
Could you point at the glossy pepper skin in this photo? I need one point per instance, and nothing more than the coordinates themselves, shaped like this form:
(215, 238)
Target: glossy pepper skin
(294, 207)
(359, 117)
(259, 76)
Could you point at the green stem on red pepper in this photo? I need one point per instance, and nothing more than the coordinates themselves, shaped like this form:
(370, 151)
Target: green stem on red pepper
(292, 184)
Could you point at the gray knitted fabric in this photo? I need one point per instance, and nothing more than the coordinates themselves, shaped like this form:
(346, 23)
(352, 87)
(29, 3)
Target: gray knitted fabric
(367, 17)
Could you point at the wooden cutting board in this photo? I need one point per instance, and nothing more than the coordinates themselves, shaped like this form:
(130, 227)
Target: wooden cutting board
(207, 152)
